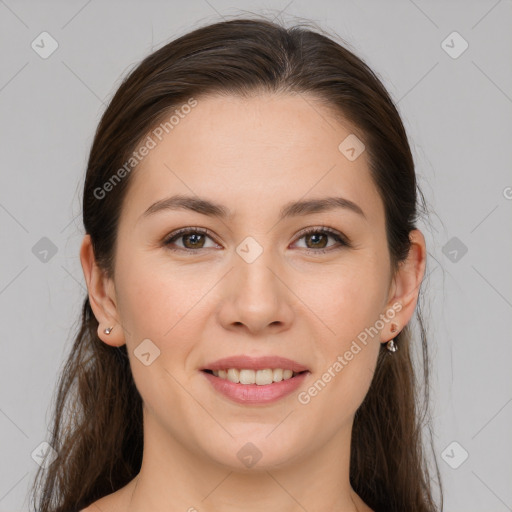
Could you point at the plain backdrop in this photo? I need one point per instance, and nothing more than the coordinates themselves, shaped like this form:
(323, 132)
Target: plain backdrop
(447, 64)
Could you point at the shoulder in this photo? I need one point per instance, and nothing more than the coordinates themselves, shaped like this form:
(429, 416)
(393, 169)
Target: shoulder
(360, 504)
(100, 505)
(95, 507)
(118, 501)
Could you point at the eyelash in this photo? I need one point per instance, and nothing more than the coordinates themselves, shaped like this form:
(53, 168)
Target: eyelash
(341, 239)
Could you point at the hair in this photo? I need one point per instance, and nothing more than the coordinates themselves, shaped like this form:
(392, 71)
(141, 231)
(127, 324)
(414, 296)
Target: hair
(97, 420)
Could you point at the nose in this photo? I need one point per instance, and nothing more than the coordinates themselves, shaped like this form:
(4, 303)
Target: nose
(256, 297)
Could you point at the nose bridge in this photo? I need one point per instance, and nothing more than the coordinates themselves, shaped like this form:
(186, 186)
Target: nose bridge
(255, 264)
(258, 294)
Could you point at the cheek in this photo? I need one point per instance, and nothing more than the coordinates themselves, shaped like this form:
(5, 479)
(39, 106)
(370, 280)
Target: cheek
(155, 298)
(347, 298)
(349, 303)
(158, 304)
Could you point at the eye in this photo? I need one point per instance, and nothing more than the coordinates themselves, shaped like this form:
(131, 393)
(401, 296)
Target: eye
(314, 235)
(193, 237)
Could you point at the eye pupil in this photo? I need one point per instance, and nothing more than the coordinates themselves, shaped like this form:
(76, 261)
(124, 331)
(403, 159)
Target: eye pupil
(193, 236)
(317, 235)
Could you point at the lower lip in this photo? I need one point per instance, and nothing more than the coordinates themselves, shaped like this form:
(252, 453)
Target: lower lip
(250, 394)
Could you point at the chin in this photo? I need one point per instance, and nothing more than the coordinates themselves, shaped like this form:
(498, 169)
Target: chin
(255, 451)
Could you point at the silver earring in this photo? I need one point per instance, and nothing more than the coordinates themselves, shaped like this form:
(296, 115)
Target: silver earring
(391, 345)
(108, 330)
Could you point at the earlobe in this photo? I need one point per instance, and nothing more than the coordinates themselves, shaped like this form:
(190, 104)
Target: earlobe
(406, 283)
(105, 334)
(101, 296)
(390, 345)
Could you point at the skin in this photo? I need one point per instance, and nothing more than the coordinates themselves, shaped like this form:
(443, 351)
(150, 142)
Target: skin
(198, 307)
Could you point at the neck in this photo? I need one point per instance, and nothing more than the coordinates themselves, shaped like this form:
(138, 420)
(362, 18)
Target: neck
(174, 477)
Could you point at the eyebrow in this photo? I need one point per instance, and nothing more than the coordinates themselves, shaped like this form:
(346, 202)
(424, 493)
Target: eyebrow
(213, 209)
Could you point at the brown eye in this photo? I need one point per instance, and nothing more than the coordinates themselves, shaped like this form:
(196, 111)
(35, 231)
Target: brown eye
(192, 239)
(317, 240)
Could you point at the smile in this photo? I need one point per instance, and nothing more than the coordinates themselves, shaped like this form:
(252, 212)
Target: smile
(250, 387)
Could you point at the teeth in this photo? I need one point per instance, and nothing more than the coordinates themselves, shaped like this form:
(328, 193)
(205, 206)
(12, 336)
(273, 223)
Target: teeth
(277, 375)
(233, 375)
(247, 376)
(259, 377)
(262, 377)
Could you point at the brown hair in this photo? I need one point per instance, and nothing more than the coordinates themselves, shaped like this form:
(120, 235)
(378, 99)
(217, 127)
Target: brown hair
(97, 429)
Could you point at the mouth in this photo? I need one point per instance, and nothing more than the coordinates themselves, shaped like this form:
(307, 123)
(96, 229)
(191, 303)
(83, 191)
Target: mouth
(254, 387)
(251, 380)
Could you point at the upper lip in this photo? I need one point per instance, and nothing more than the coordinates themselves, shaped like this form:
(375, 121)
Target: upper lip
(255, 363)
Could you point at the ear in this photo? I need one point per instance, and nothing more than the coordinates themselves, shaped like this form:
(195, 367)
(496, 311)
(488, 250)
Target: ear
(101, 296)
(405, 286)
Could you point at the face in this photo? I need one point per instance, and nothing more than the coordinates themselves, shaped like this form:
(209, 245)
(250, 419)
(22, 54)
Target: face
(252, 283)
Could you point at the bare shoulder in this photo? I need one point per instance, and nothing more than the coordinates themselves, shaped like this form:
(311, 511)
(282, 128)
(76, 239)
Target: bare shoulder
(98, 506)
(106, 504)
(361, 505)
(116, 502)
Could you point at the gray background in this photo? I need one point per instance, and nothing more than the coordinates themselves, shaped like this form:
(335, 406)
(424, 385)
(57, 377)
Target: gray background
(458, 115)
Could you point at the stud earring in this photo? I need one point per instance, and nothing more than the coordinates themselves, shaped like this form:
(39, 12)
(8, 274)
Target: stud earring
(391, 345)
(108, 330)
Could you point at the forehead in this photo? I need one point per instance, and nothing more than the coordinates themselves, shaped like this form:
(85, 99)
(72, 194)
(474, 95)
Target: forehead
(248, 152)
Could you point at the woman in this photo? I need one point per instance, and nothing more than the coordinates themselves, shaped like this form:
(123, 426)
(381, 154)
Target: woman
(252, 265)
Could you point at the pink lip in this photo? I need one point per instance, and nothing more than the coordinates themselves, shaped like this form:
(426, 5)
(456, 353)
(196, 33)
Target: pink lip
(252, 394)
(255, 363)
